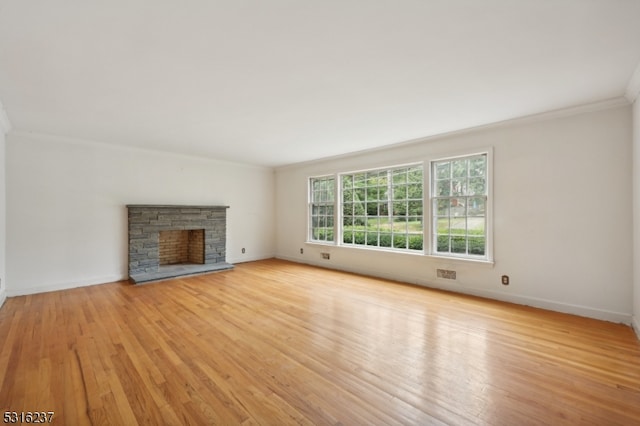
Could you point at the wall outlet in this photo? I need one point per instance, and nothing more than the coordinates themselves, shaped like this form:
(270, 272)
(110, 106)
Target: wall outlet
(301, 251)
(446, 274)
(243, 250)
(326, 256)
(505, 280)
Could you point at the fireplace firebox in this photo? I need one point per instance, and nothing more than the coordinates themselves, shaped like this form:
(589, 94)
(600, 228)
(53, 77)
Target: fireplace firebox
(181, 247)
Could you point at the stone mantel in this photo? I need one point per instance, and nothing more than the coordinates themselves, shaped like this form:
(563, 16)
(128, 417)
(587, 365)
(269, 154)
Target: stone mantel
(173, 206)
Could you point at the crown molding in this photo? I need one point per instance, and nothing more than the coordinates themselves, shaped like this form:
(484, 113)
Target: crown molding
(527, 119)
(5, 124)
(633, 88)
(71, 140)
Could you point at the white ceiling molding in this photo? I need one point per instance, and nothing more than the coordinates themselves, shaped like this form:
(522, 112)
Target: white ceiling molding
(5, 124)
(633, 88)
(617, 102)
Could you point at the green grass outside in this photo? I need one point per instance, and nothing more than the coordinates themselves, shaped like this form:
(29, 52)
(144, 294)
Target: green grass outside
(382, 232)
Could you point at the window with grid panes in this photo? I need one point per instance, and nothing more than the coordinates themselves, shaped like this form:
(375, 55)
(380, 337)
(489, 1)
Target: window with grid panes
(459, 206)
(321, 208)
(383, 208)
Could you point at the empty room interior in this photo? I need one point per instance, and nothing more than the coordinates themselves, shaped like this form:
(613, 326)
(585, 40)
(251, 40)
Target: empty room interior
(348, 213)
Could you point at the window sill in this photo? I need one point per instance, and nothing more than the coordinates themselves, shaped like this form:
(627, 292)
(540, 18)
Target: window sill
(367, 248)
(321, 243)
(462, 260)
(441, 259)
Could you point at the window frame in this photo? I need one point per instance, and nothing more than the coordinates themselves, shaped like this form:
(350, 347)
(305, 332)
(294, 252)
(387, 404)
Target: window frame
(428, 234)
(310, 205)
(429, 180)
(340, 210)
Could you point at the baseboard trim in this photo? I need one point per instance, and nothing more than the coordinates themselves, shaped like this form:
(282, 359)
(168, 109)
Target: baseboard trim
(551, 305)
(3, 296)
(245, 259)
(96, 281)
(635, 323)
(65, 285)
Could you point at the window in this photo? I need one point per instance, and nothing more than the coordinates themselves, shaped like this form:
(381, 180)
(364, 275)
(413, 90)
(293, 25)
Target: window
(387, 208)
(383, 208)
(321, 208)
(459, 200)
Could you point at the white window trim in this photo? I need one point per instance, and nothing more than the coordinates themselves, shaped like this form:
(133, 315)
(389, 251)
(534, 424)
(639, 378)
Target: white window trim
(427, 245)
(338, 209)
(309, 239)
(428, 238)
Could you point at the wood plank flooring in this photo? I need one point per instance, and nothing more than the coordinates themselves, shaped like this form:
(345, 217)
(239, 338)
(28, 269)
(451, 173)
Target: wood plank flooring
(274, 342)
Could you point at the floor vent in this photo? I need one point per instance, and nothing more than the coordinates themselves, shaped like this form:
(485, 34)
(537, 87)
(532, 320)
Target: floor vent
(446, 274)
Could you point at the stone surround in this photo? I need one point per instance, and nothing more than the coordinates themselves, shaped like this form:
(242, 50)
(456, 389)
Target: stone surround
(145, 224)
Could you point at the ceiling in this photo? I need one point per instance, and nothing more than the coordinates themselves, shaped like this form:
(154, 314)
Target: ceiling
(284, 81)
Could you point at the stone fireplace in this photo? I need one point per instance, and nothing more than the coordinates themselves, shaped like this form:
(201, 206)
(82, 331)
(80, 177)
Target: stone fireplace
(168, 241)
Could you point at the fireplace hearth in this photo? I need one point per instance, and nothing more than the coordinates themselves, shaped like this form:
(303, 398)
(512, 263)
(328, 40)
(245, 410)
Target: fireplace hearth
(168, 241)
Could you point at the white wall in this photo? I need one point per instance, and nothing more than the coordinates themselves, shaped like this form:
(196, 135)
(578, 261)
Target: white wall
(3, 211)
(562, 206)
(66, 214)
(636, 216)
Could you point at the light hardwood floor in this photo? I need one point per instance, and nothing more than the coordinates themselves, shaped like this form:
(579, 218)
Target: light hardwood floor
(274, 342)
